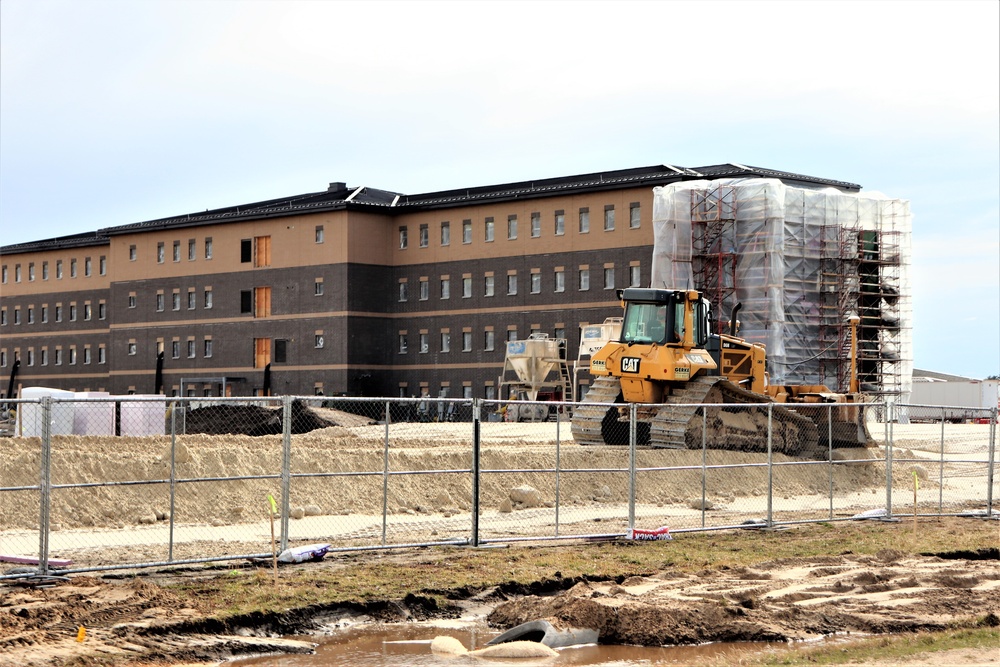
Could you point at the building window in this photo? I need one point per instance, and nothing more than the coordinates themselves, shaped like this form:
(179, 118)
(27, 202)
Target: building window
(102, 355)
(560, 332)
(161, 252)
(633, 215)
(536, 225)
(319, 233)
(131, 348)
(31, 357)
(208, 347)
(45, 314)
(31, 315)
(87, 312)
(31, 272)
(3, 317)
(45, 272)
(72, 268)
(511, 227)
(560, 223)
(87, 267)
(58, 312)
(467, 287)
(318, 288)
(402, 238)
(634, 276)
(467, 231)
(208, 247)
(246, 251)
(102, 310)
(425, 289)
(445, 288)
(190, 348)
(86, 354)
(72, 313)
(445, 341)
(609, 218)
(57, 357)
(72, 355)
(511, 335)
(489, 340)
(536, 283)
(175, 300)
(132, 253)
(560, 280)
(318, 341)
(43, 357)
(489, 230)
(208, 298)
(4, 273)
(59, 271)
(175, 349)
(192, 250)
(17, 315)
(103, 265)
(402, 291)
(424, 344)
(445, 233)
(192, 300)
(512, 284)
(584, 220)
(609, 278)
(17, 273)
(131, 300)
(177, 251)
(490, 286)
(402, 343)
(466, 341)
(584, 280)
(424, 236)
(246, 302)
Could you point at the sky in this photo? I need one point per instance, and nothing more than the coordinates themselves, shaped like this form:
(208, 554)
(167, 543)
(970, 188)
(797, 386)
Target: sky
(117, 112)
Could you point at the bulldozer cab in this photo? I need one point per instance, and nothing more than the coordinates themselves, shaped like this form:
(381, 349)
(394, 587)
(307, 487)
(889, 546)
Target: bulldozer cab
(664, 317)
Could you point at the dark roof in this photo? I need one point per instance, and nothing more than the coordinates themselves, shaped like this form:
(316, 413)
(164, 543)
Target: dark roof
(83, 240)
(339, 197)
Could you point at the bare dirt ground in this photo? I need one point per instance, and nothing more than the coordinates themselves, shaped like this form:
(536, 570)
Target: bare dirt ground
(793, 599)
(136, 619)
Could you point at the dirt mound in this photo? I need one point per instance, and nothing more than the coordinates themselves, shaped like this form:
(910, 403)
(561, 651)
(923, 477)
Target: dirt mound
(798, 599)
(257, 420)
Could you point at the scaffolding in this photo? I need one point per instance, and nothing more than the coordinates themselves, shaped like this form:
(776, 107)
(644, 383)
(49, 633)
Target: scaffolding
(802, 262)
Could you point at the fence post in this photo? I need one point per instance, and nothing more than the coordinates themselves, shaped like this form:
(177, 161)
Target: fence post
(632, 416)
(45, 486)
(559, 414)
(940, 469)
(476, 412)
(286, 467)
(770, 467)
(385, 474)
(704, 461)
(890, 411)
(992, 463)
(173, 479)
(829, 447)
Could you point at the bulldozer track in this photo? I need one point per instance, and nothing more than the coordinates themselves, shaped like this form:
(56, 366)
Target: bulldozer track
(709, 411)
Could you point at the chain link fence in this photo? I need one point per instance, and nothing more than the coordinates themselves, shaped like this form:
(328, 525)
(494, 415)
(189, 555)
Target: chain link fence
(98, 483)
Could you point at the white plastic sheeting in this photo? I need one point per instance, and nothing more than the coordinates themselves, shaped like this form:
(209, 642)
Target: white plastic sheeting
(801, 261)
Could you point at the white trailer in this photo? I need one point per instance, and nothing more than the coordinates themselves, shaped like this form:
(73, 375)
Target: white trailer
(962, 400)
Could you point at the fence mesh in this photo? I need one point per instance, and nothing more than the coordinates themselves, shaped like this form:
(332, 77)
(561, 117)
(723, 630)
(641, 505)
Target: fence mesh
(104, 483)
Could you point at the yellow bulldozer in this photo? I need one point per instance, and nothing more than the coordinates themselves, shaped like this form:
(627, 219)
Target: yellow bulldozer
(693, 387)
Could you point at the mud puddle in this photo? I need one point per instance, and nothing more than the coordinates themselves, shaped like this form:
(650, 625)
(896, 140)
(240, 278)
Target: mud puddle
(408, 645)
